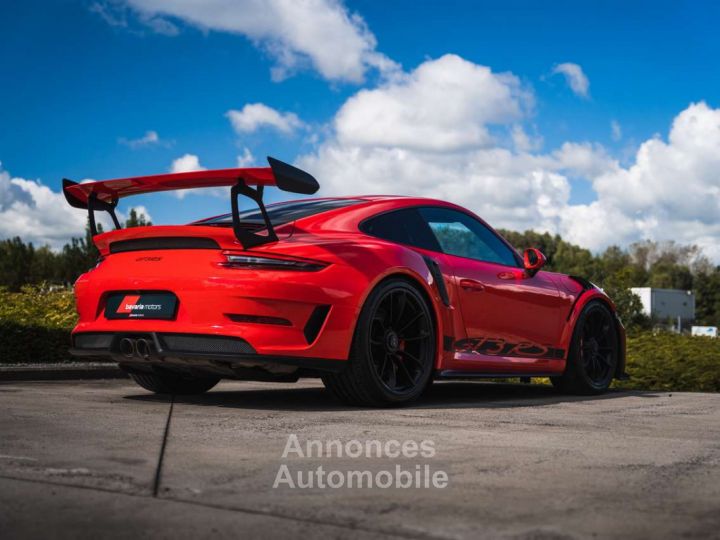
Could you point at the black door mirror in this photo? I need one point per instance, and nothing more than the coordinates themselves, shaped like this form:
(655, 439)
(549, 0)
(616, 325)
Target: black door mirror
(533, 261)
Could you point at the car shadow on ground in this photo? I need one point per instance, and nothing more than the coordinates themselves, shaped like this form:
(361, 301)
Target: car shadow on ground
(442, 395)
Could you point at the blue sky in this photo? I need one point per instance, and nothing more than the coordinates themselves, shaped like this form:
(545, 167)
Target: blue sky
(81, 77)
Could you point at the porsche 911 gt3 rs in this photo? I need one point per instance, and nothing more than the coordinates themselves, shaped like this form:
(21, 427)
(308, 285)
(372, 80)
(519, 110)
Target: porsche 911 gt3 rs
(377, 295)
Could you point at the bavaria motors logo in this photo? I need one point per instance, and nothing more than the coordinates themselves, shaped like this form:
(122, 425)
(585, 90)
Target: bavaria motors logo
(131, 304)
(150, 305)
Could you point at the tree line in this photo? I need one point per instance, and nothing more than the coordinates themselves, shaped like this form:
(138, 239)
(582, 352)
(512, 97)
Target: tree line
(643, 264)
(666, 265)
(22, 263)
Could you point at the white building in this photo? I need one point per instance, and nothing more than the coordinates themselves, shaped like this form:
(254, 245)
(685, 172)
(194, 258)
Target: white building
(663, 304)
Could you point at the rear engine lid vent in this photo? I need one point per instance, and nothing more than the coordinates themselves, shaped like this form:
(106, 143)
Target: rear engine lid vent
(163, 242)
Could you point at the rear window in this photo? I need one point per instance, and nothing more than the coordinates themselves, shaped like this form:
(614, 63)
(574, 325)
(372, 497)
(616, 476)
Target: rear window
(403, 227)
(284, 212)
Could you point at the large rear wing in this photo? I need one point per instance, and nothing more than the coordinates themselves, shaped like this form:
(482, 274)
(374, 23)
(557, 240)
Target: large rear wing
(104, 195)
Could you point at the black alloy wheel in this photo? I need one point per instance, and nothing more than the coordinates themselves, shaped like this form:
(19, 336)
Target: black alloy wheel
(393, 349)
(399, 338)
(598, 346)
(594, 352)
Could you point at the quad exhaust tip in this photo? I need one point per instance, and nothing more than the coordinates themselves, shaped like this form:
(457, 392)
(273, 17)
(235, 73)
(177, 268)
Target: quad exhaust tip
(142, 348)
(127, 347)
(134, 348)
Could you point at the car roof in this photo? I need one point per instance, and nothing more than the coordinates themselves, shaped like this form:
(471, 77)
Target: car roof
(363, 201)
(368, 198)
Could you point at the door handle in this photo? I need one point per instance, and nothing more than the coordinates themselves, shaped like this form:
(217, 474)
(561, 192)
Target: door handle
(472, 285)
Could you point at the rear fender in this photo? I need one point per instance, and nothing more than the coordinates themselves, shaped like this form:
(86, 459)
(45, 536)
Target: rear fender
(410, 265)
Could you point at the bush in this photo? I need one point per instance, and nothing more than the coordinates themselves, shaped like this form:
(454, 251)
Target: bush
(667, 361)
(35, 325)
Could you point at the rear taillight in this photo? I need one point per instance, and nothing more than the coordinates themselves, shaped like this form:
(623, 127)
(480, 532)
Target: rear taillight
(272, 263)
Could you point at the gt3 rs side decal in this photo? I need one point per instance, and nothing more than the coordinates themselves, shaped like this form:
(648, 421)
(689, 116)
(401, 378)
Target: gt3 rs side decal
(500, 347)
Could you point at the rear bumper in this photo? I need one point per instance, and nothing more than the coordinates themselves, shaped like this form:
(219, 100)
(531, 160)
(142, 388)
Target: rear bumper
(200, 351)
(280, 313)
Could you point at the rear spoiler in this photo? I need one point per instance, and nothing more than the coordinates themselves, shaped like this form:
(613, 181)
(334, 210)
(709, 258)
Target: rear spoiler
(105, 195)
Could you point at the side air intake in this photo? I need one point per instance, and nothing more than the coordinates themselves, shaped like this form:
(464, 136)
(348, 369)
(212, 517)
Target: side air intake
(315, 323)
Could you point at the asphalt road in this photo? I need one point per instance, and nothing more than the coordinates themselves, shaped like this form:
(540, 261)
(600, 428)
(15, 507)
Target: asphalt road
(105, 458)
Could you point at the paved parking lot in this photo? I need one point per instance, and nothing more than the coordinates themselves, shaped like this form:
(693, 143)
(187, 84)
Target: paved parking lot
(105, 457)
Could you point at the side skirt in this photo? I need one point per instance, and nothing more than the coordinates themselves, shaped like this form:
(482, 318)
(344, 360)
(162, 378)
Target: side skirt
(450, 374)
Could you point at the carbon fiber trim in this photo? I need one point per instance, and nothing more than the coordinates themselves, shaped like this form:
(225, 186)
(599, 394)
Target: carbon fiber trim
(204, 344)
(93, 341)
(167, 349)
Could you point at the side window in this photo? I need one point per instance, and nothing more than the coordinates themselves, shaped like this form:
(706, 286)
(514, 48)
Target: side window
(402, 226)
(460, 234)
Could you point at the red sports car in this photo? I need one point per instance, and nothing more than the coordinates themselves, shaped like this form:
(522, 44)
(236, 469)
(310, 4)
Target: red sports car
(376, 295)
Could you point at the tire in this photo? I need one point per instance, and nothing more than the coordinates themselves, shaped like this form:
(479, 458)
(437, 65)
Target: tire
(593, 355)
(393, 349)
(174, 384)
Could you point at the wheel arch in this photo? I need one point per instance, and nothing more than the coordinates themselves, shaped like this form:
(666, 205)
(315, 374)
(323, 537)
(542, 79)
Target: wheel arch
(586, 297)
(425, 289)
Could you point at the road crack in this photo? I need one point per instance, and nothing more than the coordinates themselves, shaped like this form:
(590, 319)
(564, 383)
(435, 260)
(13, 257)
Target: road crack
(163, 446)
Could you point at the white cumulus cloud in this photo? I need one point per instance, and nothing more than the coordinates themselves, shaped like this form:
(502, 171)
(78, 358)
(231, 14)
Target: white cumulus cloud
(444, 105)
(151, 138)
(672, 189)
(380, 144)
(36, 213)
(575, 77)
(246, 159)
(186, 163)
(321, 34)
(191, 163)
(584, 160)
(437, 132)
(523, 141)
(254, 116)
